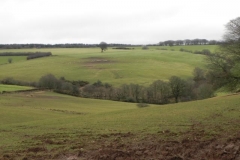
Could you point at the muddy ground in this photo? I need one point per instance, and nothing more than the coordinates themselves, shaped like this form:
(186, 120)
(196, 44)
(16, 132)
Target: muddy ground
(192, 145)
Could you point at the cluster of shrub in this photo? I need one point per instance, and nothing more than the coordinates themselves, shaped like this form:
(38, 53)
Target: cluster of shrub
(124, 48)
(58, 85)
(30, 55)
(12, 81)
(16, 53)
(204, 51)
(38, 55)
(49, 81)
(159, 92)
(145, 47)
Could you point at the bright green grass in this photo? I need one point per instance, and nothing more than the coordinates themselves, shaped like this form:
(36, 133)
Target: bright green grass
(122, 66)
(4, 59)
(46, 113)
(4, 87)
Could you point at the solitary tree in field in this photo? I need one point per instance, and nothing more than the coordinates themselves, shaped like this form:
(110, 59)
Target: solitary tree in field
(103, 46)
(224, 66)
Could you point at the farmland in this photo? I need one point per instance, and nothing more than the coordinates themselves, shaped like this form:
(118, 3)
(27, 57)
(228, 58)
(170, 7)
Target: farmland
(46, 125)
(113, 66)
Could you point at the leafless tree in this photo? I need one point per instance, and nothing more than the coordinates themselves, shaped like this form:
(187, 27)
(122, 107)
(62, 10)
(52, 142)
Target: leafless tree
(177, 86)
(224, 66)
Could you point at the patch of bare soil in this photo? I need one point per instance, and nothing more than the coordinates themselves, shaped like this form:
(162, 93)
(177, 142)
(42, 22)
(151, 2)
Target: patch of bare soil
(123, 147)
(91, 62)
(192, 145)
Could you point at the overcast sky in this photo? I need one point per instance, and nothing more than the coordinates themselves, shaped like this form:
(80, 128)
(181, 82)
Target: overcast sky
(113, 21)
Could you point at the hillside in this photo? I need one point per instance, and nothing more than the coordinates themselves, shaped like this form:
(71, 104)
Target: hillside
(13, 88)
(113, 66)
(46, 125)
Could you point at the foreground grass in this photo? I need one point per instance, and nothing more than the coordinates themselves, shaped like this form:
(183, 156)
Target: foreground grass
(113, 66)
(32, 118)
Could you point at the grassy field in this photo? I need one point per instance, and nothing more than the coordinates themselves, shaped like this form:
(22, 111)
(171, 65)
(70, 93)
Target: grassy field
(113, 66)
(4, 59)
(46, 125)
(13, 88)
(59, 122)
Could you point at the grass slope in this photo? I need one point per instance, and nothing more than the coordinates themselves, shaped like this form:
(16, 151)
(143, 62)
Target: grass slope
(113, 66)
(36, 116)
(4, 87)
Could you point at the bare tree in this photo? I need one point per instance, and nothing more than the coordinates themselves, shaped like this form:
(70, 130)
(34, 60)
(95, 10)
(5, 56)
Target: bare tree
(177, 86)
(198, 74)
(224, 66)
(158, 92)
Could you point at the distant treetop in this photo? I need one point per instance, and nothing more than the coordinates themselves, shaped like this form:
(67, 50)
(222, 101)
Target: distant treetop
(189, 42)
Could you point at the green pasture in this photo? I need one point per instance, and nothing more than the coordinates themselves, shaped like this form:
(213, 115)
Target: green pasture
(4, 87)
(4, 59)
(113, 66)
(25, 116)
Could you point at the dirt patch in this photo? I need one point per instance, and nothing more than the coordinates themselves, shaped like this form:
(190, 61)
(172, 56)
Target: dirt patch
(37, 149)
(66, 111)
(92, 62)
(128, 146)
(153, 147)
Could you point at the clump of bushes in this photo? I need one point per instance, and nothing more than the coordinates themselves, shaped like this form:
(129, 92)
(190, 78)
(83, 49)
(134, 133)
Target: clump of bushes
(16, 53)
(124, 48)
(9, 60)
(76, 83)
(38, 55)
(51, 82)
(144, 47)
(159, 92)
(30, 55)
(12, 81)
(142, 105)
(185, 50)
(204, 51)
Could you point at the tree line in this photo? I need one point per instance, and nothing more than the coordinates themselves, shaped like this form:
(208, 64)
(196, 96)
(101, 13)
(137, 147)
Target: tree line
(159, 92)
(83, 45)
(189, 42)
(30, 55)
(66, 45)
